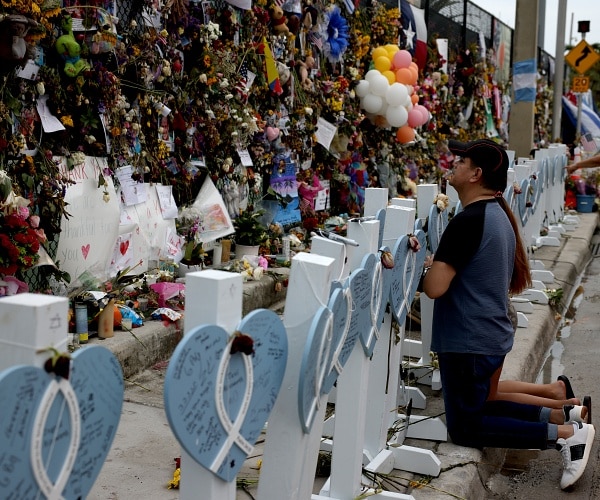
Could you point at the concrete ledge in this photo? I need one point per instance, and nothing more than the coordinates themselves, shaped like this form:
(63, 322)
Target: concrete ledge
(155, 341)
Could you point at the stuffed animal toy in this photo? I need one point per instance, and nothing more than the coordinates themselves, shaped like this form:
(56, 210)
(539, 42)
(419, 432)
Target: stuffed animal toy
(278, 20)
(14, 28)
(68, 48)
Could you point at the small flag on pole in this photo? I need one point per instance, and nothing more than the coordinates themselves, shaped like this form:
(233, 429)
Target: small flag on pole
(272, 73)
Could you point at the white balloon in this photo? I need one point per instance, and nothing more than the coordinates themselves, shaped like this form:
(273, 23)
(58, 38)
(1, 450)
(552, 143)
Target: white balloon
(362, 88)
(379, 85)
(396, 94)
(372, 74)
(396, 116)
(371, 103)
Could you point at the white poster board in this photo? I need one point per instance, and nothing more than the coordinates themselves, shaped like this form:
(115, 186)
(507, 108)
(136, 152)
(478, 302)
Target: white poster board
(89, 234)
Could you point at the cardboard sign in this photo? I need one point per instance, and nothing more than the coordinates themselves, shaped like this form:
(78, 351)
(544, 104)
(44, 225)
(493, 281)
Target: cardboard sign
(88, 235)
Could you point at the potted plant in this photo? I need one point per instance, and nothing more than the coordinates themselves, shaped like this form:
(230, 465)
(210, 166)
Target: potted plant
(250, 232)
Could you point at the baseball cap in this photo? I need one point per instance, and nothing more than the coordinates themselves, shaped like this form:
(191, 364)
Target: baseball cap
(485, 153)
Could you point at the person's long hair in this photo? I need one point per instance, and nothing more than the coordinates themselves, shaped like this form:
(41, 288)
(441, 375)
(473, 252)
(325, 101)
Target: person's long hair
(521, 275)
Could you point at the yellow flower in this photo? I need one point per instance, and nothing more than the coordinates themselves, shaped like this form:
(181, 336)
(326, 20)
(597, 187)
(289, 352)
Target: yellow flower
(66, 120)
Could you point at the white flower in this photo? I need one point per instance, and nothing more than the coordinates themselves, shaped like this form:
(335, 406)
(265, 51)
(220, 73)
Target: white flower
(257, 273)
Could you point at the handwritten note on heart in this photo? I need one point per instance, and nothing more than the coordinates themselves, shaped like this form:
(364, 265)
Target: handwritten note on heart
(216, 402)
(55, 434)
(85, 250)
(314, 366)
(408, 266)
(438, 220)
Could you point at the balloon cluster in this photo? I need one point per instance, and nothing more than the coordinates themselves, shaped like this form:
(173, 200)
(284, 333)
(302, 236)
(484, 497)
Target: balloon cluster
(387, 93)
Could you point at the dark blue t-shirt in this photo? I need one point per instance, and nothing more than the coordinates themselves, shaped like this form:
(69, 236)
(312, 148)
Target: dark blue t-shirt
(472, 316)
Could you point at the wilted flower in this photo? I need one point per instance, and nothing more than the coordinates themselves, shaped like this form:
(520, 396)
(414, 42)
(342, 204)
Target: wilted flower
(387, 259)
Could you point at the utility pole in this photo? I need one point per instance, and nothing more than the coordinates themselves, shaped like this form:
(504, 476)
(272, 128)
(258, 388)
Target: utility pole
(525, 43)
(559, 70)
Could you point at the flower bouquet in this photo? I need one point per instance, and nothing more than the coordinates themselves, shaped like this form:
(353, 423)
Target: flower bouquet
(190, 226)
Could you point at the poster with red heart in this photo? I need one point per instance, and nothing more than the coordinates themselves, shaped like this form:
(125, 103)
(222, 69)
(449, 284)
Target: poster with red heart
(89, 234)
(123, 254)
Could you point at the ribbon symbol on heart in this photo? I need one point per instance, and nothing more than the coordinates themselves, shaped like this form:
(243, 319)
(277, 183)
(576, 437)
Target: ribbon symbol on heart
(232, 427)
(52, 491)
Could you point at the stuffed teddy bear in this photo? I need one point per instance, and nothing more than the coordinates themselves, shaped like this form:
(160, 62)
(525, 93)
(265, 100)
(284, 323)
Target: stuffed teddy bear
(70, 50)
(278, 20)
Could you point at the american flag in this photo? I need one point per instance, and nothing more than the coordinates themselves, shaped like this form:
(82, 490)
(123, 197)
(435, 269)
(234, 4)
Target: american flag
(588, 143)
(241, 87)
(316, 39)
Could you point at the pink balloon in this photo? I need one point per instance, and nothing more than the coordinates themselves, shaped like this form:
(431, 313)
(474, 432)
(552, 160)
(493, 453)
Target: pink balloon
(424, 113)
(402, 59)
(414, 118)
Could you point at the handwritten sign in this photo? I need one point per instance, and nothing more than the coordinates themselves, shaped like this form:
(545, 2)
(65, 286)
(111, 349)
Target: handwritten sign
(341, 345)
(407, 270)
(373, 303)
(437, 222)
(314, 367)
(153, 226)
(88, 236)
(217, 402)
(55, 434)
(360, 284)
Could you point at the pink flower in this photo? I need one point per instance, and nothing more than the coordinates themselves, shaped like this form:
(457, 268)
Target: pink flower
(34, 221)
(9, 285)
(22, 213)
(263, 262)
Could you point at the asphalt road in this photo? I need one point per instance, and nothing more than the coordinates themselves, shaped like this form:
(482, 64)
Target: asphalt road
(534, 475)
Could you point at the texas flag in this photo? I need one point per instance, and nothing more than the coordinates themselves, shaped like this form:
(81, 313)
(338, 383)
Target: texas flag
(414, 32)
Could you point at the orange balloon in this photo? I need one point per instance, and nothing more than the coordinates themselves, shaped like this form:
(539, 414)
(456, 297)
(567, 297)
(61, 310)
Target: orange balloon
(405, 134)
(390, 76)
(403, 75)
(414, 98)
(414, 65)
(414, 75)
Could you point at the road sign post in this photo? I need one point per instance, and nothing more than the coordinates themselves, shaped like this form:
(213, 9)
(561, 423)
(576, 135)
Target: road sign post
(581, 58)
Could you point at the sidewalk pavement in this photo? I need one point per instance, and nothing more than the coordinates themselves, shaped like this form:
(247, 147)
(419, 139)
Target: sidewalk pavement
(141, 461)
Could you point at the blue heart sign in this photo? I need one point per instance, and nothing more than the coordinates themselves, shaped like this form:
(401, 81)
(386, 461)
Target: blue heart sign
(221, 388)
(55, 433)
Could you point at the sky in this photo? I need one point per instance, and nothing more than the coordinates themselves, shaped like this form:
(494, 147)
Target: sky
(577, 10)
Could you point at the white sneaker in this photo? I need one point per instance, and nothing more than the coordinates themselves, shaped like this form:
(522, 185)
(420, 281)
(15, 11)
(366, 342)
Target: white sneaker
(575, 453)
(573, 414)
